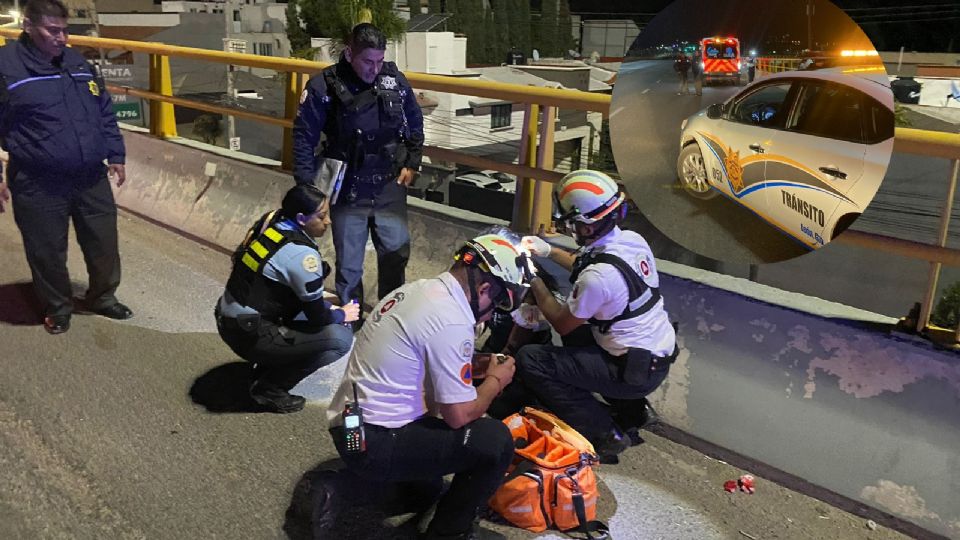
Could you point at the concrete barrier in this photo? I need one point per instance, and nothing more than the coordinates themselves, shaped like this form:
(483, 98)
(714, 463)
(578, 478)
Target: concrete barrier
(211, 195)
(815, 389)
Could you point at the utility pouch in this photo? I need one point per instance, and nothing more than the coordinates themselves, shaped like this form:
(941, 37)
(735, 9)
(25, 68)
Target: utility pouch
(249, 322)
(634, 367)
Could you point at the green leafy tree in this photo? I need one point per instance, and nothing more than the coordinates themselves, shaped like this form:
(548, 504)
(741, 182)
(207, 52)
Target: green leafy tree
(415, 7)
(565, 40)
(547, 30)
(501, 24)
(299, 39)
(490, 38)
(336, 18)
(472, 25)
(434, 6)
(207, 127)
(522, 38)
(947, 312)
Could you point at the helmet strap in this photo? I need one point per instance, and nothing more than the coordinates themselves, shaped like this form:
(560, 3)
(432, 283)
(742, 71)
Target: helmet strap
(474, 295)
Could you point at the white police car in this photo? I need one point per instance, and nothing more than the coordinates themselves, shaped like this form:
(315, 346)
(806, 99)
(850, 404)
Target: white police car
(804, 150)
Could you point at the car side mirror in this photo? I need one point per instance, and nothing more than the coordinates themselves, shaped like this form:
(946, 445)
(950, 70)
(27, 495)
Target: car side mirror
(715, 111)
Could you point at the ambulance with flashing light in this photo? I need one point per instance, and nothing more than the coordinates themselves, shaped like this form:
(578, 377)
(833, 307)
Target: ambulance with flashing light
(804, 150)
(720, 58)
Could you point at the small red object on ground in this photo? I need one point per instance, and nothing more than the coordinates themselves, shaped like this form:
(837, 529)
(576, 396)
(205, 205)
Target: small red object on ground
(730, 486)
(746, 483)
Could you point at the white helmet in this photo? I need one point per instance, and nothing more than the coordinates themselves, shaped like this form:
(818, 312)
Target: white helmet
(586, 196)
(497, 255)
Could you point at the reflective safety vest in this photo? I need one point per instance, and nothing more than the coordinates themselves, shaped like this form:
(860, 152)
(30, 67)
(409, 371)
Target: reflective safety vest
(274, 301)
(642, 297)
(370, 129)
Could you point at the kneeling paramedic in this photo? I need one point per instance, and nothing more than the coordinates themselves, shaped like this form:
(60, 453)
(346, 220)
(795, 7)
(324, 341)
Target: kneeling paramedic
(272, 312)
(631, 343)
(373, 128)
(411, 361)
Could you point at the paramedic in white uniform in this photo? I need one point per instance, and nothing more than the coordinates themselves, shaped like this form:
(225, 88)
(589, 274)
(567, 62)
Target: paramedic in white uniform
(411, 361)
(618, 340)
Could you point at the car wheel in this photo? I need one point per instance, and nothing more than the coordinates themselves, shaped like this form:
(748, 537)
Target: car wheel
(692, 173)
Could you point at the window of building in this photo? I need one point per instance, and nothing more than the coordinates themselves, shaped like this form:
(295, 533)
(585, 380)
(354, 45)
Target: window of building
(500, 116)
(264, 49)
(464, 112)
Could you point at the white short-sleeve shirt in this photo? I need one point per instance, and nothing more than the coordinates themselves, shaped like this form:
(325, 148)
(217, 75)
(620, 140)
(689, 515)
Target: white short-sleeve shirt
(601, 291)
(414, 351)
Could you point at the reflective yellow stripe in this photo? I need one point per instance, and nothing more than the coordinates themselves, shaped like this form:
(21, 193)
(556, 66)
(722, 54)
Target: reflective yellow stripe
(272, 234)
(250, 262)
(258, 248)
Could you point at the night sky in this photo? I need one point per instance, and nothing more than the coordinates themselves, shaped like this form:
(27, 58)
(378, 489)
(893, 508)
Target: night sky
(917, 25)
(753, 22)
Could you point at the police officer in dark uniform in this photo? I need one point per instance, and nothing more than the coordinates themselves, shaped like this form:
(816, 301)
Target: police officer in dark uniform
(272, 312)
(57, 123)
(369, 116)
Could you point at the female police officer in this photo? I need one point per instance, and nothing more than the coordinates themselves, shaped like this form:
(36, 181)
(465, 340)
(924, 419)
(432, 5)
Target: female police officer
(272, 312)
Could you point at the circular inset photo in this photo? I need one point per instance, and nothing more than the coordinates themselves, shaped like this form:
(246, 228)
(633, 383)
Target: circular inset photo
(752, 131)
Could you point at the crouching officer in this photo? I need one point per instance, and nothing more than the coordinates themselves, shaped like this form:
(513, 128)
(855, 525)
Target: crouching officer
(618, 340)
(272, 312)
(412, 360)
(372, 123)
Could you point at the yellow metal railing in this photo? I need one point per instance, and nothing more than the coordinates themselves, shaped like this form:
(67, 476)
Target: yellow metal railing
(535, 165)
(536, 154)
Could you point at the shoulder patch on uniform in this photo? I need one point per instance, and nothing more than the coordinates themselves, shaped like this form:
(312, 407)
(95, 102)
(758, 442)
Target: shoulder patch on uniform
(94, 88)
(388, 82)
(645, 268)
(388, 305)
(311, 263)
(466, 374)
(466, 349)
(303, 95)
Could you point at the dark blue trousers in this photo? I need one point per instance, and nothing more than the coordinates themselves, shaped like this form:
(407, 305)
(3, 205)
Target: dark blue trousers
(384, 220)
(43, 209)
(563, 379)
(425, 450)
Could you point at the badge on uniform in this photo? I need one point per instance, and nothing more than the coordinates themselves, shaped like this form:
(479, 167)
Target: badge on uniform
(303, 96)
(94, 88)
(388, 82)
(311, 263)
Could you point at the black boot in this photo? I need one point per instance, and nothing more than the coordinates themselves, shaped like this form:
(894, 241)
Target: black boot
(274, 399)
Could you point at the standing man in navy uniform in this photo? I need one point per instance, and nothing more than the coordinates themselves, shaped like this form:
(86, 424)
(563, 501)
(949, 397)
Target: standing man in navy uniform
(272, 312)
(57, 123)
(369, 116)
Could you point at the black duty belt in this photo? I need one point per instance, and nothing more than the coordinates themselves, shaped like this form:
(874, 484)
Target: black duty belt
(375, 179)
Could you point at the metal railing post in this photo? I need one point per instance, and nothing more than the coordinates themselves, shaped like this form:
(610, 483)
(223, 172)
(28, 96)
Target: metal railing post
(540, 213)
(523, 203)
(926, 307)
(162, 121)
(296, 83)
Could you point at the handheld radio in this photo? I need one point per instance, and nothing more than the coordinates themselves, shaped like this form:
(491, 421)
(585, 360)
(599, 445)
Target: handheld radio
(353, 425)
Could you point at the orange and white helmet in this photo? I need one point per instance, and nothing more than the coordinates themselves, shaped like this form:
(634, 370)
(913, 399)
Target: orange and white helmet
(496, 255)
(586, 196)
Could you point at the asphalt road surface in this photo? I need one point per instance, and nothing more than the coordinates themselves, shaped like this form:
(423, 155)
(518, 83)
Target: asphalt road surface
(140, 429)
(645, 117)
